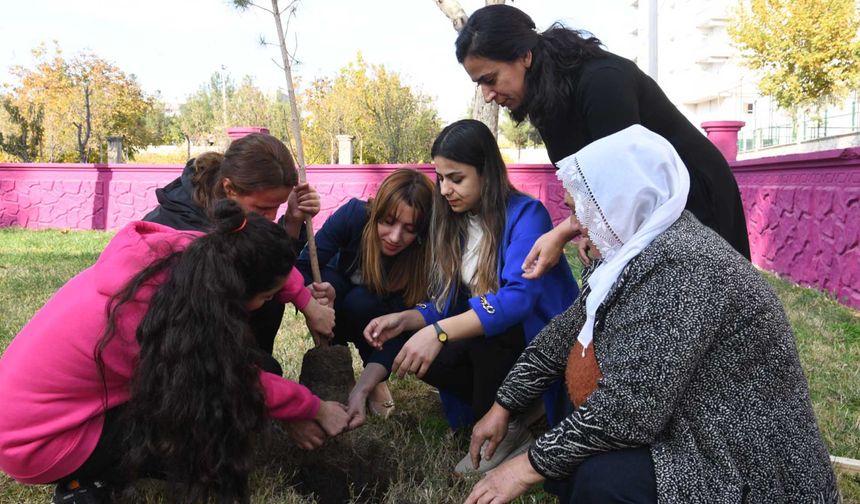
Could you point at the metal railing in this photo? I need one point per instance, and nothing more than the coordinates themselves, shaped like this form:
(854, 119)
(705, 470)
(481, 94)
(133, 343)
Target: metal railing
(806, 128)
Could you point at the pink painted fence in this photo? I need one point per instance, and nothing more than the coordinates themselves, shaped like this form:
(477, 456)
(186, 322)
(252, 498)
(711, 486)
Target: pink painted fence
(803, 218)
(803, 211)
(76, 196)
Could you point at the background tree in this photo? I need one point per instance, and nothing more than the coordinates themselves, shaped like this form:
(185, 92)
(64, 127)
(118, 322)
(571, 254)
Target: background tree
(391, 122)
(196, 120)
(160, 125)
(81, 100)
(26, 142)
(105, 102)
(806, 50)
(519, 135)
(487, 113)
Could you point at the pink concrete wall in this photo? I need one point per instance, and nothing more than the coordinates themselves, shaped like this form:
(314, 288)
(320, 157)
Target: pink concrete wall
(803, 218)
(108, 196)
(78, 196)
(803, 211)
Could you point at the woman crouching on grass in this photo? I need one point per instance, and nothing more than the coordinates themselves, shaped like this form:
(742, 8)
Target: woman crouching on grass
(257, 172)
(681, 366)
(482, 312)
(144, 365)
(375, 254)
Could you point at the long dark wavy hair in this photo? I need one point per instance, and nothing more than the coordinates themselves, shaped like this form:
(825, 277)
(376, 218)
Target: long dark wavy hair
(505, 33)
(196, 402)
(470, 142)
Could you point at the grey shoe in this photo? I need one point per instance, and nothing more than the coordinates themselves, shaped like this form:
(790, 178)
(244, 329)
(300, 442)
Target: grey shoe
(517, 441)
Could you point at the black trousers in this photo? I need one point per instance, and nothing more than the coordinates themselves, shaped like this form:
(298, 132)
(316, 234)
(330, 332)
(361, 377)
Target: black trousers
(103, 463)
(620, 476)
(471, 369)
(265, 323)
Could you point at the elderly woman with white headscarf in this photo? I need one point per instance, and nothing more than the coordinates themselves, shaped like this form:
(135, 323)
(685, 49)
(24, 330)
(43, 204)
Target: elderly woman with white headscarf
(679, 360)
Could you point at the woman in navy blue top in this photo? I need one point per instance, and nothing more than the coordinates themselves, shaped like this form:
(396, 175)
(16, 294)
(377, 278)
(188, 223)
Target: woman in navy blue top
(482, 311)
(375, 255)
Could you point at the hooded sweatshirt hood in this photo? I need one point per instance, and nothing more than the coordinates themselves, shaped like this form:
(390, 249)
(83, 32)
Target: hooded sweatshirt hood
(135, 247)
(176, 205)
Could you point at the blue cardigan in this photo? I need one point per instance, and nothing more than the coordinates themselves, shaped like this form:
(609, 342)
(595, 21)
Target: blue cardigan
(532, 303)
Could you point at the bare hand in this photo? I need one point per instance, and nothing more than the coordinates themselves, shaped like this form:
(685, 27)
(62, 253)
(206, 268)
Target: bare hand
(586, 249)
(304, 201)
(332, 417)
(417, 354)
(505, 483)
(382, 329)
(306, 434)
(357, 409)
(320, 320)
(547, 250)
(491, 429)
(323, 292)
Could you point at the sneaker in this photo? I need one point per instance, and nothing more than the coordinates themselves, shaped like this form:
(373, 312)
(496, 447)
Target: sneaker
(517, 441)
(74, 492)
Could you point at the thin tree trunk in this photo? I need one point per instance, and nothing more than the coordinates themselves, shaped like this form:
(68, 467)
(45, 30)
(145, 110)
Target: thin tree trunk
(454, 12)
(83, 155)
(487, 113)
(297, 133)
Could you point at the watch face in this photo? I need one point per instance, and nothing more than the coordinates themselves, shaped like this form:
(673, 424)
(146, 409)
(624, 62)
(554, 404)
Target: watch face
(443, 337)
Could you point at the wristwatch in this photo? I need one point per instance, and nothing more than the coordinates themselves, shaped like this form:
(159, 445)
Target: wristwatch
(441, 335)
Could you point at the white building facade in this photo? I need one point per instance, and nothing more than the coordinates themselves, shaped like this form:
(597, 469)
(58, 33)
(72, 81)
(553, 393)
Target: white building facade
(703, 74)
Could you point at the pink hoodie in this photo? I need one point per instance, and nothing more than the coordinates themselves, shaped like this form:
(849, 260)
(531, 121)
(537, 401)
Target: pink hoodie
(50, 389)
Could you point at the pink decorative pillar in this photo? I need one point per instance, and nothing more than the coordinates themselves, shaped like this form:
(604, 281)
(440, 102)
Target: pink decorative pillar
(724, 134)
(236, 133)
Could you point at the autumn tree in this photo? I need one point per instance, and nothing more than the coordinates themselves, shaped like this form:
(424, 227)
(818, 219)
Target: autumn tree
(26, 139)
(391, 122)
(105, 101)
(806, 50)
(83, 100)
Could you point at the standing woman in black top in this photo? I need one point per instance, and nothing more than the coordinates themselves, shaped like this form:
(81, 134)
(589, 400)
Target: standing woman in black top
(574, 92)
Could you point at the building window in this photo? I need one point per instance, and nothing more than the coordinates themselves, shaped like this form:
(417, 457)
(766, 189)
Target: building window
(749, 108)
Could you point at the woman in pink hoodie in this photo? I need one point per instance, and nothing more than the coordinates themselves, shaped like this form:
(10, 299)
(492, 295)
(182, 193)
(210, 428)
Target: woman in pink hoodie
(144, 365)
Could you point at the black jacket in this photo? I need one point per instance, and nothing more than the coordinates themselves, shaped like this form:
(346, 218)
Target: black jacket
(175, 206)
(611, 93)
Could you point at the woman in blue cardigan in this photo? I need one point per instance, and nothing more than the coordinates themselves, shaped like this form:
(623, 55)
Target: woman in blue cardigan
(375, 255)
(482, 311)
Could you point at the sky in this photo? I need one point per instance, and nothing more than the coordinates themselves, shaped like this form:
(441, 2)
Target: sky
(173, 46)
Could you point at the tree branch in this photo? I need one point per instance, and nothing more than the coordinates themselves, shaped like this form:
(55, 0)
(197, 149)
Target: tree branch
(454, 12)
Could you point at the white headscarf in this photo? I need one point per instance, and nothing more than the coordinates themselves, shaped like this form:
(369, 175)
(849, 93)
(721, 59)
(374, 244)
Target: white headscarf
(627, 188)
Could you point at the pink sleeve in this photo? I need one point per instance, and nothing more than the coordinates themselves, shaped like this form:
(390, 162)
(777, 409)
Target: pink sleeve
(287, 400)
(294, 291)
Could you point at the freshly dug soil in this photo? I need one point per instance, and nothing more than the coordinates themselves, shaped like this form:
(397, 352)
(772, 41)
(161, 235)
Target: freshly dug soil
(359, 464)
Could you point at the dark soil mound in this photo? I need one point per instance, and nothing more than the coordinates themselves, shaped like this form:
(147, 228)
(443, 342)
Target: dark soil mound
(358, 464)
(327, 371)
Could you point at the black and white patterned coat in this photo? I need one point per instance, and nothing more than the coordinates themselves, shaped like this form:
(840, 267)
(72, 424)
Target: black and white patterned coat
(699, 363)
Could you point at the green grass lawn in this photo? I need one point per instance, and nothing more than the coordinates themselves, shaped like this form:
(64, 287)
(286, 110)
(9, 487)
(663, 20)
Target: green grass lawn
(34, 264)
